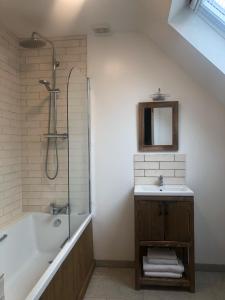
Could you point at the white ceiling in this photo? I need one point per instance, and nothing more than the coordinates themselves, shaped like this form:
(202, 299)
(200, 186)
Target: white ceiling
(57, 17)
(66, 17)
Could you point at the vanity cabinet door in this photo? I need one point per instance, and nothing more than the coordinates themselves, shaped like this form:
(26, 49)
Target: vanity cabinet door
(150, 220)
(178, 221)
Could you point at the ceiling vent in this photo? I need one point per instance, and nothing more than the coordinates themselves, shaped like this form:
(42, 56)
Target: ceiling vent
(102, 30)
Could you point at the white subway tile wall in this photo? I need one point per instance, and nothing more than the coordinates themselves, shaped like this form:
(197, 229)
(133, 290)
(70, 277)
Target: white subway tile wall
(38, 191)
(24, 116)
(148, 168)
(10, 129)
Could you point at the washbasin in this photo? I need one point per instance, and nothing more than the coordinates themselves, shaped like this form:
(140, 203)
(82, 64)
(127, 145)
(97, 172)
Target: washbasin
(166, 190)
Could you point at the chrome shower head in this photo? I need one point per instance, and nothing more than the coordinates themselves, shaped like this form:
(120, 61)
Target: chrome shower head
(33, 42)
(46, 84)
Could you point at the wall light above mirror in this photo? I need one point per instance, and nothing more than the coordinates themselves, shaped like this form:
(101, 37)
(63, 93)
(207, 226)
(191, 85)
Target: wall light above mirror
(158, 126)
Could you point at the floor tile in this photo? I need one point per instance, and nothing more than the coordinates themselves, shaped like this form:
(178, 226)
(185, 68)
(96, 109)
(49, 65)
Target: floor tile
(118, 284)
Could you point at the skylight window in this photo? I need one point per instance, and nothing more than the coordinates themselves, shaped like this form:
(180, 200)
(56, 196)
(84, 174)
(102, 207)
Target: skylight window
(213, 11)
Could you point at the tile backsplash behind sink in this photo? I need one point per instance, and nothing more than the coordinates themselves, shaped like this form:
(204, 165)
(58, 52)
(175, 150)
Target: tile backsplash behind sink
(148, 168)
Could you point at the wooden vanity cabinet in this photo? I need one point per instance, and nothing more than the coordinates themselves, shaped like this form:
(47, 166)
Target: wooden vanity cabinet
(178, 221)
(162, 221)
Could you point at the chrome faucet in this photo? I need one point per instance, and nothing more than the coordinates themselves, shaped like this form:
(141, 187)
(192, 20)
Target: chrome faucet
(160, 180)
(58, 209)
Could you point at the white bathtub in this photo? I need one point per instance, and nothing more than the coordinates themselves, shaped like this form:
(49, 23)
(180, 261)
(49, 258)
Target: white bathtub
(32, 242)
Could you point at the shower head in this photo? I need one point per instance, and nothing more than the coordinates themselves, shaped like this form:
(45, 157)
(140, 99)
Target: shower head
(46, 84)
(33, 42)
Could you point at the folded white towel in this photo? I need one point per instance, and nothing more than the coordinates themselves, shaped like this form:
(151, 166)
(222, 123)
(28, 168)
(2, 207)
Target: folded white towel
(2, 297)
(162, 256)
(163, 274)
(163, 261)
(174, 268)
(161, 253)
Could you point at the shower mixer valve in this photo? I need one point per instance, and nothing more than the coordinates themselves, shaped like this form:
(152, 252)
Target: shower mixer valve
(58, 209)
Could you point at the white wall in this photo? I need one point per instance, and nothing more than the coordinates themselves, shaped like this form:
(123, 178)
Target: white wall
(125, 69)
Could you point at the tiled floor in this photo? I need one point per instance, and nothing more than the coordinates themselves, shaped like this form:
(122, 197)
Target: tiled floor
(117, 284)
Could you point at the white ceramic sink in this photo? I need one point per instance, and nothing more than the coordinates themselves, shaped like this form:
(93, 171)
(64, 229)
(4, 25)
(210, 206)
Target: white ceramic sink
(166, 190)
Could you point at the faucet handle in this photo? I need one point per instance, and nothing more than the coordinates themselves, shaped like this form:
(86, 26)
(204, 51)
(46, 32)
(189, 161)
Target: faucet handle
(161, 180)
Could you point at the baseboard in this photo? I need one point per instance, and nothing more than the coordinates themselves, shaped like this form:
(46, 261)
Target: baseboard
(114, 263)
(210, 268)
(130, 264)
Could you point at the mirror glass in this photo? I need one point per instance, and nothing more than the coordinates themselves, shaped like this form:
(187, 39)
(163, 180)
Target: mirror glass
(158, 126)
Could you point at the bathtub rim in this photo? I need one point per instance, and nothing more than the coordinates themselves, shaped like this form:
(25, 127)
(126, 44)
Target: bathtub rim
(49, 273)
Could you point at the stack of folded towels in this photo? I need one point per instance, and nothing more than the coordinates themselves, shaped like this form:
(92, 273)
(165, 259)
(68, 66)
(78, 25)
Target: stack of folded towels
(162, 262)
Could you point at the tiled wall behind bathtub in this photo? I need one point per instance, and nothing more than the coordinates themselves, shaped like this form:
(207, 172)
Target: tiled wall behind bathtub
(148, 168)
(38, 191)
(10, 129)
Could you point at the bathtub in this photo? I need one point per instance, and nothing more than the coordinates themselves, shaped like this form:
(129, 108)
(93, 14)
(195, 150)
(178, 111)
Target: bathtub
(31, 254)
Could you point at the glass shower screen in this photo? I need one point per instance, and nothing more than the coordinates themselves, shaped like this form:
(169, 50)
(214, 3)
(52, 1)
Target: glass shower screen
(79, 150)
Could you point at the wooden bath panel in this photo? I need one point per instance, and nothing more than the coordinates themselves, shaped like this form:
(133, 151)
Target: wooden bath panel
(71, 280)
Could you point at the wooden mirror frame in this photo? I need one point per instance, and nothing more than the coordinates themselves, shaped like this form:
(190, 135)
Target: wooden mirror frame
(141, 107)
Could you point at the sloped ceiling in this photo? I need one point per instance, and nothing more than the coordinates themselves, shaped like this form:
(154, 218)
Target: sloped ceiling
(155, 24)
(65, 17)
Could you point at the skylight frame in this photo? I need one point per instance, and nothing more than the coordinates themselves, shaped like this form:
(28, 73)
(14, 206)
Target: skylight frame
(212, 16)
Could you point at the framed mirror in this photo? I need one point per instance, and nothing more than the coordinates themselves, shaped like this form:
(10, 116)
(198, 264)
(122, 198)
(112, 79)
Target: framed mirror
(158, 126)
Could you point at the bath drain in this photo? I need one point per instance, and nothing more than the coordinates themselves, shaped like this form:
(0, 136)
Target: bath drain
(50, 261)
